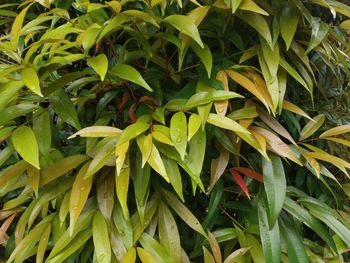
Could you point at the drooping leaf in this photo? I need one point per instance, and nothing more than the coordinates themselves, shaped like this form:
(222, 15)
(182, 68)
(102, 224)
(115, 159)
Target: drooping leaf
(101, 239)
(99, 64)
(288, 20)
(319, 32)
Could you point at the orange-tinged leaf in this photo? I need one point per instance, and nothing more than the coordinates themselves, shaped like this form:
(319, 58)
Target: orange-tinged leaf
(274, 125)
(336, 131)
(295, 109)
(276, 145)
(79, 195)
(4, 227)
(215, 248)
(240, 182)
(250, 173)
(218, 166)
(311, 127)
(248, 85)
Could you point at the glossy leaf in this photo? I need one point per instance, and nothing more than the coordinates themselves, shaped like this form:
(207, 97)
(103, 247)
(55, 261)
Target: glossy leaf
(25, 143)
(99, 64)
(336, 131)
(311, 127)
(101, 239)
(288, 20)
(178, 133)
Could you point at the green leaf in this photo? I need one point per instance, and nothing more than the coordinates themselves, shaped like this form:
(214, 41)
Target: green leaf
(184, 213)
(288, 20)
(186, 26)
(42, 246)
(174, 175)
(226, 123)
(255, 249)
(25, 143)
(8, 91)
(64, 108)
(42, 130)
(101, 240)
(122, 186)
(311, 127)
(129, 73)
(304, 217)
(294, 74)
(145, 145)
(194, 123)
(79, 195)
(99, 64)
(270, 237)
(259, 23)
(205, 55)
(319, 32)
(275, 186)
(178, 133)
(293, 240)
(145, 256)
(169, 235)
(157, 250)
(134, 130)
(17, 26)
(31, 80)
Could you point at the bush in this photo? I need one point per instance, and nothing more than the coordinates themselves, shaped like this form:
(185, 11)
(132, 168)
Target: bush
(172, 131)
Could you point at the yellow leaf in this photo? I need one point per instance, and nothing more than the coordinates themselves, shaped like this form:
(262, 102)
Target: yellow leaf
(145, 256)
(31, 80)
(145, 146)
(329, 158)
(336, 131)
(122, 185)
(194, 123)
(295, 109)
(215, 248)
(338, 140)
(129, 257)
(311, 127)
(97, 131)
(250, 5)
(120, 153)
(80, 192)
(156, 162)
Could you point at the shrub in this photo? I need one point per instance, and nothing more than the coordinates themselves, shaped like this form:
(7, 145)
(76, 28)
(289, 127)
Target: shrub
(172, 131)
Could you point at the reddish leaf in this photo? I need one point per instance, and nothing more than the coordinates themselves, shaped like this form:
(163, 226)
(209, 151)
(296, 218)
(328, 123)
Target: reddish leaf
(150, 100)
(133, 117)
(240, 182)
(121, 104)
(250, 173)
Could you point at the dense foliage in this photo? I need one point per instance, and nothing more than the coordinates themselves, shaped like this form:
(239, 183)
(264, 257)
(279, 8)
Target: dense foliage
(174, 131)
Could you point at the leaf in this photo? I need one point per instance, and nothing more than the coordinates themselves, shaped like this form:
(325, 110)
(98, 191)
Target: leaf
(288, 20)
(275, 186)
(8, 91)
(221, 106)
(184, 213)
(156, 162)
(294, 108)
(142, 15)
(319, 32)
(255, 249)
(64, 108)
(329, 158)
(294, 74)
(105, 193)
(208, 257)
(336, 131)
(186, 26)
(311, 127)
(145, 256)
(60, 168)
(205, 55)
(194, 123)
(249, 173)
(294, 242)
(174, 175)
(235, 255)
(169, 235)
(157, 250)
(97, 131)
(215, 248)
(79, 195)
(178, 133)
(259, 23)
(218, 166)
(338, 140)
(240, 182)
(25, 143)
(226, 123)
(42, 246)
(250, 5)
(129, 73)
(122, 186)
(304, 217)
(99, 64)
(145, 145)
(270, 237)
(129, 257)
(17, 26)
(101, 240)
(134, 130)
(31, 80)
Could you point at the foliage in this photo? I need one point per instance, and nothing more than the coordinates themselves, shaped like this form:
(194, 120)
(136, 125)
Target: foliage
(170, 131)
